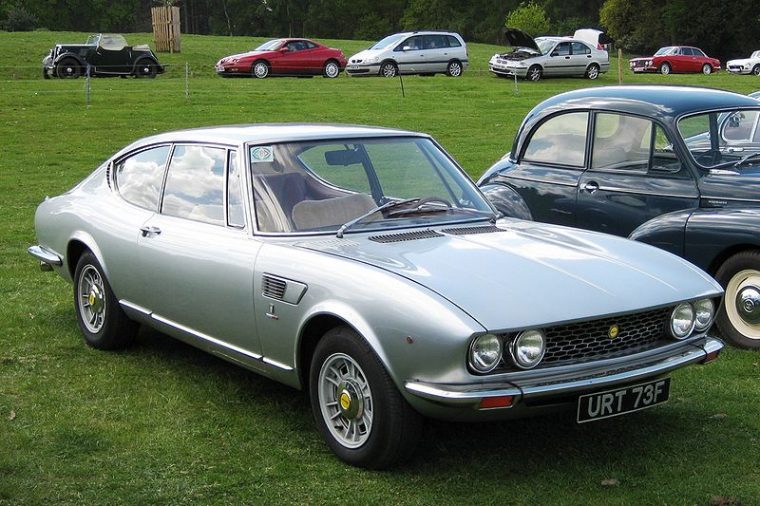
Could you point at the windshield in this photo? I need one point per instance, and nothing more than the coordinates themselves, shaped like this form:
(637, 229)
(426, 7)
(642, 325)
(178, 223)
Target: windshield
(388, 41)
(665, 50)
(545, 45)
(723, 139)
(756, 54)
(92, 40)
(269, 45)
(319, 186)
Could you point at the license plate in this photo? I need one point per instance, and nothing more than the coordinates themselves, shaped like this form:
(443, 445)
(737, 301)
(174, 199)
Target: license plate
(621, 401)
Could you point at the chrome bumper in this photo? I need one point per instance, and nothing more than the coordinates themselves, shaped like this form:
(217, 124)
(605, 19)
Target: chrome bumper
(46, 257)
(547, 385)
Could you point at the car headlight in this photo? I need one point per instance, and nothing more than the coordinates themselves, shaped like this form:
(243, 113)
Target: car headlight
(704, 312)
(528, 348)
(485, 353)
(682, 321)
(648, 62)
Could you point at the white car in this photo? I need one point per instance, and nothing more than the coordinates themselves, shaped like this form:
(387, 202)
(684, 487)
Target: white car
(749, 65)
(427, 52)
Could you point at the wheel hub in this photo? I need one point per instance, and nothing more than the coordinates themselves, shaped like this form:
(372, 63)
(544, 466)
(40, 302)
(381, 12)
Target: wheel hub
(748, 304)
(95, 299)
(350, 400)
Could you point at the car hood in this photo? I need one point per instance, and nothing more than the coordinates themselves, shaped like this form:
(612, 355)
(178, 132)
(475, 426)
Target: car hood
(523, 274)
(518, 38)
(741, 61)
(367, 53)
(520, 54)
(248, 54)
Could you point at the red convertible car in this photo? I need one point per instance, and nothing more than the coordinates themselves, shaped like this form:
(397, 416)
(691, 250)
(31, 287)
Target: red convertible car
(682, 59)
(290, 57)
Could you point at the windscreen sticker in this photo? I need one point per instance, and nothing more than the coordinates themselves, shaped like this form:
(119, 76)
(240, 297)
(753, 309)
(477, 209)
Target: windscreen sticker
(262, 154)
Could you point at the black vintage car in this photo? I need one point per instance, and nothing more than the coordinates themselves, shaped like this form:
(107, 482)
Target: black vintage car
(103, 55)
(675, 167)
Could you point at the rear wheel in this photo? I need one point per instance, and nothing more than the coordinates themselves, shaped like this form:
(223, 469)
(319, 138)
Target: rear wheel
(534, 73)
(100, 317)
(260, 69)
(68, 68)
(665, 69)
(145, 68)
(739, 316)
(357, 407)
(454, 69)
(388, 69)
(331, 70)
(592, 72)
(707, 69)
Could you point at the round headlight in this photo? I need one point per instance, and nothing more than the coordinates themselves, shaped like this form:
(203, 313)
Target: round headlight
(704, 311)
(485, 353)
(682, 321)
(528, 348)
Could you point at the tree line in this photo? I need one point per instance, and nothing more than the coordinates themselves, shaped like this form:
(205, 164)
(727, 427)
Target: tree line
(726, 29)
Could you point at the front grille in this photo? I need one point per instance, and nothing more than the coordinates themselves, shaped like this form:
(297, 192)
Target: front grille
(405, 236)
(590, 340)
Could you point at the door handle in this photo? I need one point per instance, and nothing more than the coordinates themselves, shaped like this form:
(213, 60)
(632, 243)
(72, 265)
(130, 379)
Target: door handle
(591, 186)
(567, 57)
(150, 231)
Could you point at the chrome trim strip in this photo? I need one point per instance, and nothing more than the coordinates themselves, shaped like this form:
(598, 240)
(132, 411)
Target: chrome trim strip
(206, 337)
(134, 307)
(45, 255)
(549, 181)
(277, 364)
(731, 199)
(472, 394)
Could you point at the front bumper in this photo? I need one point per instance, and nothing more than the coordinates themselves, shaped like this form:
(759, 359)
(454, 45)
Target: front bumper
(552, 387)
(738, 69)
(362, 70)
(508, 71)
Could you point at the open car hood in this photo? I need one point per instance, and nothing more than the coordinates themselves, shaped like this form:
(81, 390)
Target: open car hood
(518, 38)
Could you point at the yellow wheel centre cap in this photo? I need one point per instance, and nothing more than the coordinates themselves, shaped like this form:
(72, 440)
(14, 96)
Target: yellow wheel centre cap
(91, 299)
(345, 400)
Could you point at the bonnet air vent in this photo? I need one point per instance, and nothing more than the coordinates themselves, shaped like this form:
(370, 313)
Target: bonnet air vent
(483, 229)
(274, 287)
(405, 236)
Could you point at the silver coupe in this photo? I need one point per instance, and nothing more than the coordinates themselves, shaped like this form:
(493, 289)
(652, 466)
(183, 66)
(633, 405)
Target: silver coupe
(363, 265)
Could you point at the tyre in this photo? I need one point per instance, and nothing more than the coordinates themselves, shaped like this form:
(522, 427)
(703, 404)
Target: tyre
(145, 68)
(388, 69)
(707, 69)
(331, 70)
(357, 407)
(756, 70)
(739, 316)
(535, 73)
(68, 68)
(260, 69)
(45, 75)
(454, 68)
(665, 69)
(592, 72)
(100, 317)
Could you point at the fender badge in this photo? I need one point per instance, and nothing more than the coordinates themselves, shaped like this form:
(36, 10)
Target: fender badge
(613, 332)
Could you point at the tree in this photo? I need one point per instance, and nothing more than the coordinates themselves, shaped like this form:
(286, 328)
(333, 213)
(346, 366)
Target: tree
(530, 18)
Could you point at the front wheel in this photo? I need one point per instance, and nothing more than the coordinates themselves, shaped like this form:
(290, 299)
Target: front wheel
(454, 69)
(331, 70)
(706, 69)
(68, 68)
(145, 69)
(388, 69)
(357, 407)
(665, 69)
(100, 317)
(592, 72)
(260, 69)
(739, 316)
(534, 73)
(756, 70)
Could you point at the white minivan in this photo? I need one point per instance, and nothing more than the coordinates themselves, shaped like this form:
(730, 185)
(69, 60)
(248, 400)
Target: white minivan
(427, 52)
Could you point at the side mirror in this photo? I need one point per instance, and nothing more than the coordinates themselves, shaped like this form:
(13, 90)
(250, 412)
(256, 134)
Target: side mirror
(284, 49)
(555, 53)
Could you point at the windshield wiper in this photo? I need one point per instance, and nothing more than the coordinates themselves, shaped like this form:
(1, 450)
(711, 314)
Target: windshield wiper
(747, 158)
(388, 205)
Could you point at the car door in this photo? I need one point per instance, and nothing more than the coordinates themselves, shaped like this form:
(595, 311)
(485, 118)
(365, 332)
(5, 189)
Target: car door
(550, 166)
(436, 53)
(112, 55)
(197, 255)
(634, 176)
(580, 58)
(410, 55)
(681, 60)
(559, 61)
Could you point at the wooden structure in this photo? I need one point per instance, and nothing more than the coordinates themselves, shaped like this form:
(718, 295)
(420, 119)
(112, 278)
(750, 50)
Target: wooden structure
(166, 32)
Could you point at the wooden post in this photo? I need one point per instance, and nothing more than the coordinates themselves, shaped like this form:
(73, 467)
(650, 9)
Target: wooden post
(620, 66)
(166, 28)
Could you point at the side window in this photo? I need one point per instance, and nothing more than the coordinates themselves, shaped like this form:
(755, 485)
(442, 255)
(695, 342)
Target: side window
(195, 184)
(308, 45)
(740, 126)
(453, 41)
(580, 48)
(235, 208)
(139, 177)
(562, 49)
(560, 140)
(435, 41)
(412, 43)
(621, 142)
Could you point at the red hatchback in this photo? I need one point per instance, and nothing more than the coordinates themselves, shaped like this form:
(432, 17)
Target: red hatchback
(288, 57)
(682, 59)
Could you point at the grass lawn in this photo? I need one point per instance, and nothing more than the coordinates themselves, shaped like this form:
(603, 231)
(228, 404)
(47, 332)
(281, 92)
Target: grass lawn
(163, 423)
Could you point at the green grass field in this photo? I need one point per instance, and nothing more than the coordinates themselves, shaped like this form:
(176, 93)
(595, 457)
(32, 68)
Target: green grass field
(163, 423)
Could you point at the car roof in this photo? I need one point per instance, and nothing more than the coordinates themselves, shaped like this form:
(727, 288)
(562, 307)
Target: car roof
(264, 133)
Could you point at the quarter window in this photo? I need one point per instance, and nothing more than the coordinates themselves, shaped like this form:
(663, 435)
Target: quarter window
(139, 177)
(560, 140)
(453, 41)
(195, 184)
(579, 48)
(235, 209)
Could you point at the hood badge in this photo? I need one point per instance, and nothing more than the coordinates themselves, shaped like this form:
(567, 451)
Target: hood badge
(613, 332)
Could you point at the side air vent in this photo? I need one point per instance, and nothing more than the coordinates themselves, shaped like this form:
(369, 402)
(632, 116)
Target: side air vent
(109, 170)
(482, 229)
(274, 287)
(405, 236)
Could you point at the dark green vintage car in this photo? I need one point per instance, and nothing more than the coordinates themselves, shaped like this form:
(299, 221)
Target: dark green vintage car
(103, 55)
